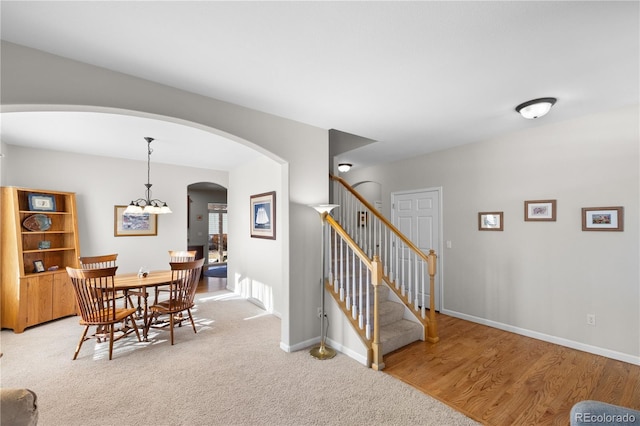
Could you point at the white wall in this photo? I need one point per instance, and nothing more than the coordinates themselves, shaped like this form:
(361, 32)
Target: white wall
(539, 279)
(100, 183)
(258, 272)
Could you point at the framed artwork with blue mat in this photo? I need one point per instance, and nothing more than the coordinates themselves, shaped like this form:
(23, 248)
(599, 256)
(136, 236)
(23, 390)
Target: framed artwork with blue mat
(263, 215)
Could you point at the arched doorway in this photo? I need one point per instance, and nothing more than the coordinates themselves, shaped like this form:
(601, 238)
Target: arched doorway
(206, 223)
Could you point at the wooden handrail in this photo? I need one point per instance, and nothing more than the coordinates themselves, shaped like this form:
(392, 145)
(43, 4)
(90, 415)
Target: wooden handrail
(383, 219)
(431, 331)
(375, 266)
(345, 236)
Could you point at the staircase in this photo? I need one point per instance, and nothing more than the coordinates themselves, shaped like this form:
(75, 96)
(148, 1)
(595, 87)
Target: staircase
(379, 279)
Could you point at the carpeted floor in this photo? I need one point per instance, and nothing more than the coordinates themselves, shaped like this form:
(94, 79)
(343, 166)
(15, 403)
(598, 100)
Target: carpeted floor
(232, 372)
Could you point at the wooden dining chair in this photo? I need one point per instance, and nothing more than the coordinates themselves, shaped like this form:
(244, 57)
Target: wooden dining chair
(175, 256)
(108, 261)
(184, 282)
(96, 300)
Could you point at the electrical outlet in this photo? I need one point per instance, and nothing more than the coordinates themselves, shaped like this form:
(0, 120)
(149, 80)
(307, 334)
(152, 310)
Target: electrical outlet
(591, 319)
(319, 314)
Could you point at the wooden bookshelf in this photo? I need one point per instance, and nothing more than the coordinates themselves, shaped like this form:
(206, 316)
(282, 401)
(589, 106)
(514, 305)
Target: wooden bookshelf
(29, 296)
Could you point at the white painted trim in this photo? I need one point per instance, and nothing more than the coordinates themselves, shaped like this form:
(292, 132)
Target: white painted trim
(300, 346)
(306, 345)
(348, 352)
(631, 359)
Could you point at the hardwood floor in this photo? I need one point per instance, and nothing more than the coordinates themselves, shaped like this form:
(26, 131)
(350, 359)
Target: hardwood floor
(501, 378)
(208, 284)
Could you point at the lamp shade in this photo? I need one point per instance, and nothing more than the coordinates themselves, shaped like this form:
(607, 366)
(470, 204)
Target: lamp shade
(324, 208)
(535, 108)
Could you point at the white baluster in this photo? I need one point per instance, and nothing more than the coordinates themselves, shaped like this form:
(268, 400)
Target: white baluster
(423, 310)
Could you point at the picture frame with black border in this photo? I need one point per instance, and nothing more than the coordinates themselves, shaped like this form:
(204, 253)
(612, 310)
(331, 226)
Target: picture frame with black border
(38, 266)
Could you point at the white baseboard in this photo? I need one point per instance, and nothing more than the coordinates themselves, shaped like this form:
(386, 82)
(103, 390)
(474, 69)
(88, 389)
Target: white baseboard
(631, 359)
(348, 352)
(338, 347)
(300, 346)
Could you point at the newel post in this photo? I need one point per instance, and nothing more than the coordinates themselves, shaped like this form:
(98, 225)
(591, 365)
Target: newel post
(432, 329)
(376, 279)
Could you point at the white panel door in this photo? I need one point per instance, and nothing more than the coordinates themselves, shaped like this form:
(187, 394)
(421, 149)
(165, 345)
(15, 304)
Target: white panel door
(417, 215)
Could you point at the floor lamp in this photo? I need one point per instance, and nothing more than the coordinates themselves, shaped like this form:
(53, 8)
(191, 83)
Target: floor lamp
(322, 351)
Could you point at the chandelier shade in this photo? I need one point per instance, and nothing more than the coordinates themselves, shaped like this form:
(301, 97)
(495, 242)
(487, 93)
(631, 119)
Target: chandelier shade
(147, 204)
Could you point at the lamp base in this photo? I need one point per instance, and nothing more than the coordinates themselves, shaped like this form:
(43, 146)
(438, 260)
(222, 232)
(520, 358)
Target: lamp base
(322, 352)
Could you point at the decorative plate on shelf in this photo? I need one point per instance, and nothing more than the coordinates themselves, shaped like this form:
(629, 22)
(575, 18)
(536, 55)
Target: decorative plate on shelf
(37, 222)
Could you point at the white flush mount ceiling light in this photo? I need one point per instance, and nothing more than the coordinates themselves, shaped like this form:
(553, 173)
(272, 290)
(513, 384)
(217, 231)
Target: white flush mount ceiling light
(344, 167)
(535, 108)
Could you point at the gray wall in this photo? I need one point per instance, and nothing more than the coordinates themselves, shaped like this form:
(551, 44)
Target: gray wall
(198, 232)
(539, 278)
(98, 189)
(34, 80)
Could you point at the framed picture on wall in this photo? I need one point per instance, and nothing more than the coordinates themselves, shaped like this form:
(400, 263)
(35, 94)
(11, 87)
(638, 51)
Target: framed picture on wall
(540, 211)
(263, 215)
(490, 221)
(133, 225)
(603, 218)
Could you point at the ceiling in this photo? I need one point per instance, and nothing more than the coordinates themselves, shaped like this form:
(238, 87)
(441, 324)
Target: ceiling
(415, 77)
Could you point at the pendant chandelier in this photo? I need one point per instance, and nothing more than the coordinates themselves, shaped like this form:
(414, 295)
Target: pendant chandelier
(148, 205)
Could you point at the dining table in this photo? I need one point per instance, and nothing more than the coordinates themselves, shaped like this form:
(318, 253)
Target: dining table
(135, 281)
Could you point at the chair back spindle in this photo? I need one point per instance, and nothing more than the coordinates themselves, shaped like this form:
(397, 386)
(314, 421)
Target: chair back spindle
(182, 255)
(95, 293)
(98, 262)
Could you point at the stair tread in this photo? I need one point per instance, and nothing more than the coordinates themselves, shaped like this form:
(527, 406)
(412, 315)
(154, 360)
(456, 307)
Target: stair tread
(399, 334)
(390, 312)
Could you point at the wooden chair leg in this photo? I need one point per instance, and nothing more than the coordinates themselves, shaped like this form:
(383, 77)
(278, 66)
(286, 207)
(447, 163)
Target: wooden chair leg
(193, 324)
(111, 327)
(147, 324)
(171, 327)
(135, 326)
(82, 338)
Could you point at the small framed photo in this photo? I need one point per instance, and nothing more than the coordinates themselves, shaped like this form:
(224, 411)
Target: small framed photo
(540, 211)
(133, 225)
(263, 215)
(490, 221)
(42, 203)
(38, 266)
(603, 218)
(363, 219)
